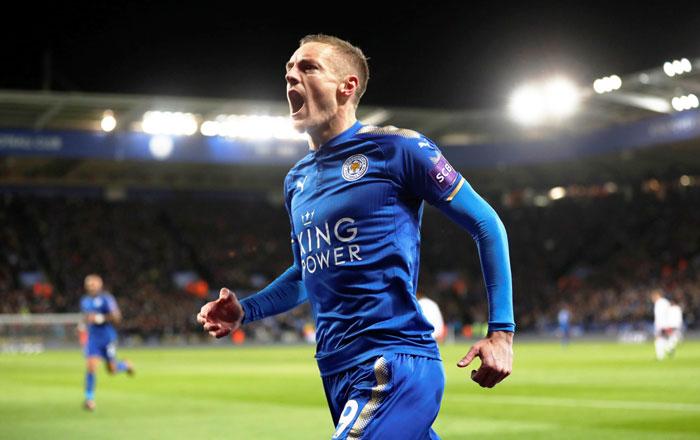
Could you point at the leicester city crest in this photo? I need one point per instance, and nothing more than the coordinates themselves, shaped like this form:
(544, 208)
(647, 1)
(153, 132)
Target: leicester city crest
(355, 167)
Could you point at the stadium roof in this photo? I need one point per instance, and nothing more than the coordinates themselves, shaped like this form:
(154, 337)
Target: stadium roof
(642, 94)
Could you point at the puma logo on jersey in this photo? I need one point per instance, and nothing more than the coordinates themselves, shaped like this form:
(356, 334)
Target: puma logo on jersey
(300, 184)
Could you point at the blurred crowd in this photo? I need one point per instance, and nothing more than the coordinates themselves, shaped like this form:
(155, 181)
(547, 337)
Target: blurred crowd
(599, 256)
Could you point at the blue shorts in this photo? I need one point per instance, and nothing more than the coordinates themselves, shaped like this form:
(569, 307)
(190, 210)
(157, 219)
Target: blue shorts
(396, 396)
(103, 347)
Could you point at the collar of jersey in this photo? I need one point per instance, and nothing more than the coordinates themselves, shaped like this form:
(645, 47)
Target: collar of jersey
(342, 137)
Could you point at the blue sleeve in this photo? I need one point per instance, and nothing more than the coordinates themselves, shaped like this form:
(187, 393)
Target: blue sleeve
(281, 295)
(85, 305)
(111, 304)
(285, 292)
(423, 172)
(473, 213)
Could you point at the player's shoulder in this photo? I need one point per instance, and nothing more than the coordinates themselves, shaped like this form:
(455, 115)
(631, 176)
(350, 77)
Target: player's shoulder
(394, 138)
(387, 132)
(399, 142)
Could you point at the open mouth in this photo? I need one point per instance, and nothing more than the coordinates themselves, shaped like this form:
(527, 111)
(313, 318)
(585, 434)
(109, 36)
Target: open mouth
(296, 101)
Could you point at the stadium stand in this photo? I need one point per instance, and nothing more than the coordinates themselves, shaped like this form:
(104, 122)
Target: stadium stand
(140, 244)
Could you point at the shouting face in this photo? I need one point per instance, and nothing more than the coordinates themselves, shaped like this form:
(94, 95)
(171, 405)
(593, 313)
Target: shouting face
(313, 84)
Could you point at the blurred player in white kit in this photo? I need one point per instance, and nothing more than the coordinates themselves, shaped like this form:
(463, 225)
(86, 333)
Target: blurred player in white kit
(675, 325)
(668, 321)
(432, 313)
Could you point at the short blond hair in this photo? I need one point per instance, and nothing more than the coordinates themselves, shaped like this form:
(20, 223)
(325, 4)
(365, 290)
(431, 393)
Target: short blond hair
(352, 54)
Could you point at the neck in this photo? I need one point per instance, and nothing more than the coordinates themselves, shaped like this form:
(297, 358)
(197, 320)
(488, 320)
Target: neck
(320, 135)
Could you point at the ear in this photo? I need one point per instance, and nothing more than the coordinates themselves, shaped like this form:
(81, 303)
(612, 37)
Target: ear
(349, 86)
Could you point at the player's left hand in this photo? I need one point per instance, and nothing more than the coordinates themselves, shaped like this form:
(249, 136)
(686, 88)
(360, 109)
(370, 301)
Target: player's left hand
(496, 354)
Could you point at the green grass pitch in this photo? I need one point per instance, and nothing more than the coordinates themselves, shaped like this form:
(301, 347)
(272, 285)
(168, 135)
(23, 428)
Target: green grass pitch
(587, 391)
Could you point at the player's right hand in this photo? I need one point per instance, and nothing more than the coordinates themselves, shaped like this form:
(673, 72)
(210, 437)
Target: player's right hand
(222, 316)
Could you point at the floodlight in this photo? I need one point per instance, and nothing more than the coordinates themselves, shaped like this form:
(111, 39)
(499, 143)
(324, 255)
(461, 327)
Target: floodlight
(161, 146)
(556, 193)
(172, 123)
(677, 67)
(607, 84)
(527, 106)
(686, 102)
(562, 98)
(253, 127)
(109, 122)
(555, 99)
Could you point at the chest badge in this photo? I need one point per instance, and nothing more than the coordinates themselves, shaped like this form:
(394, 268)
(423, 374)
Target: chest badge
(355, 167)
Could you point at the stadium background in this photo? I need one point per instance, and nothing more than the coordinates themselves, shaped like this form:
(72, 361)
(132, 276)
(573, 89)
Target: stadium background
(170, 197)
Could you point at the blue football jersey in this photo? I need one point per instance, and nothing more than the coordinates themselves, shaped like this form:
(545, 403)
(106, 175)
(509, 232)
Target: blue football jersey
(355, 207)
(103, 303)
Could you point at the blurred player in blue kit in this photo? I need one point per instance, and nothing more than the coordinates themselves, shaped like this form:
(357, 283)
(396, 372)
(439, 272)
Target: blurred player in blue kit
(564, 321)
(355, 204)
(101, 312)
